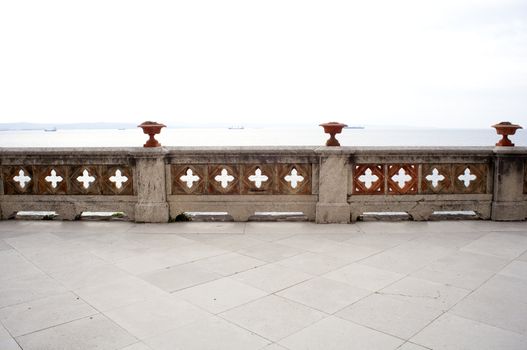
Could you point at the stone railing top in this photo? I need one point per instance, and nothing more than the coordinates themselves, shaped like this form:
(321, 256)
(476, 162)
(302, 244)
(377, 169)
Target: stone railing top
(73, 152)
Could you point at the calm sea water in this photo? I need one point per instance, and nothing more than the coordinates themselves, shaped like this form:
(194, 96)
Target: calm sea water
(256, 137)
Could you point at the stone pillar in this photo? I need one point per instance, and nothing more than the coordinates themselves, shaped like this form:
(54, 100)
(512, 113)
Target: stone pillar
(150, 182)
(509, 176)
(2, 217)
(332, 205)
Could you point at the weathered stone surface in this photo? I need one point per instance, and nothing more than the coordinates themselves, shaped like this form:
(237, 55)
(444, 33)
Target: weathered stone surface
(509, 175)
(333, 179)
(329, 183)
(333, 213)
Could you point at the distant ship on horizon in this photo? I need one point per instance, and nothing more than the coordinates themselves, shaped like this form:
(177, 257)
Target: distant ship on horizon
(236, 127)
(50, 129)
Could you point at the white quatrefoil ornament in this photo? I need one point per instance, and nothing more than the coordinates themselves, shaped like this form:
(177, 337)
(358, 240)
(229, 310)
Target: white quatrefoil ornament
(224, 178)
(118, 179)
(435, 177)
(189, 178)
(22, 178)
(368, 178)
(467, 177)
(294, 178)
(258, 178)
(86, 179)
(53, 178)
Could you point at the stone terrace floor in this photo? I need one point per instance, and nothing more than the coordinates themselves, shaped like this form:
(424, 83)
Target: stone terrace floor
(94, 285)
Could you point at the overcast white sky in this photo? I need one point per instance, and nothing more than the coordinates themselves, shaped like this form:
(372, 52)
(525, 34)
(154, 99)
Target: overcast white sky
(427, 63)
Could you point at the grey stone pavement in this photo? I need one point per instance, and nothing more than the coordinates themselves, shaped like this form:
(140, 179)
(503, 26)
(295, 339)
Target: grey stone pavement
(408, 285)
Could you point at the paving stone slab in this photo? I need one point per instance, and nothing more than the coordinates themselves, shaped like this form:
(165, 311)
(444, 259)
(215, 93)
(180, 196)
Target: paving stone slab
(334, 333)
(324, 294)
(273, 317)
(211, 333)
(220, 295)
(399, 318)
(43, 313)
(451, 332)
(94, 332)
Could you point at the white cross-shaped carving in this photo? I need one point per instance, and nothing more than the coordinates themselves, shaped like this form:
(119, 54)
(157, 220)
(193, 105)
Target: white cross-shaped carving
(368, 178)
(294, 178)
(435, 177)
(118, 178)
(86, 178)
(53, 178)
(258, 178)
(467, 177)
(190, 178)
(401, 178)
(224, 178)
(22, 178)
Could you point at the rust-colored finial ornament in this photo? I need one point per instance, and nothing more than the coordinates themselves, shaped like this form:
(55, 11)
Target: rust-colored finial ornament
(332, 128)
(151, 128)
(505, 129)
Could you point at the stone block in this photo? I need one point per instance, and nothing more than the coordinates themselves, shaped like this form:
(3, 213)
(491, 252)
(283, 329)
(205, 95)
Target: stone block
(151, 212)
(333, 213)
(508, 211)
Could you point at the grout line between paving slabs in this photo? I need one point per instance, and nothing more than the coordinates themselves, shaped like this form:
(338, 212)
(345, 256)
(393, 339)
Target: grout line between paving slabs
(412, 343)
(454, 305)
(327, 315)
(218, 315)
(404, 275)
(11, 335)
(70, 291)
(472, 292)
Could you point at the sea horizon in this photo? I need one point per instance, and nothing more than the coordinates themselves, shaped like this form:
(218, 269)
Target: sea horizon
(255, 136)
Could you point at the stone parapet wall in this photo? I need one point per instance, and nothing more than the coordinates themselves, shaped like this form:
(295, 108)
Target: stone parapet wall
(326, 184)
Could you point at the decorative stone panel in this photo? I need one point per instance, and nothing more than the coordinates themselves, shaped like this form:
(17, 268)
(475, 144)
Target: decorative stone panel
(224, 179)
(454, 178)
(437, 179)
(402, 179)
(118, 181)
(236, 179)
(19, 179)
(68, 180)
(470, 178)
(368, 179)
(188, 179)
(294, 178)
(52, 179)
(86, 180)
(258, 179)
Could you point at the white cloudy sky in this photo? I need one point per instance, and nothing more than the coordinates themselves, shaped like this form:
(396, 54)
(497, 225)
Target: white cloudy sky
(407, 62)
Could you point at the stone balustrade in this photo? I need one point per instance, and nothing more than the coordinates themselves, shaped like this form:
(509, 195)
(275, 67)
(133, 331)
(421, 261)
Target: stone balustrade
(325, 184)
